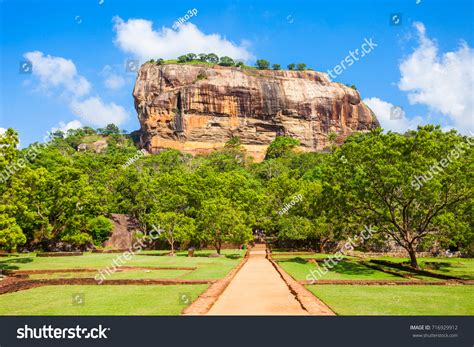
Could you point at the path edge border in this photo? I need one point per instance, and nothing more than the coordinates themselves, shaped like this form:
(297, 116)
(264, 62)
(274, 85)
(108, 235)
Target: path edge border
(307, 300)
(206, 300)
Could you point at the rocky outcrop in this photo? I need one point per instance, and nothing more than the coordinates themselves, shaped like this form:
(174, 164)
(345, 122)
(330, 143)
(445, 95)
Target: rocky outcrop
(98, 146)
(197, 108)
(124, 227)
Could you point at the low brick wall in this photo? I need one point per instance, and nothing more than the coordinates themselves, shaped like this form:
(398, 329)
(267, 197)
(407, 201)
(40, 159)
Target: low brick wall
(388, 282)
(308, 301)
(58, 254)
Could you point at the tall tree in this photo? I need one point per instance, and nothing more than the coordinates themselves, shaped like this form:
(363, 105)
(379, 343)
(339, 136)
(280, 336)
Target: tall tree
(405, 185)
(221, 222)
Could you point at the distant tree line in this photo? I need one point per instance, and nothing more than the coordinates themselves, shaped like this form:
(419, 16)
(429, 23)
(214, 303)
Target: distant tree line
(212, 58)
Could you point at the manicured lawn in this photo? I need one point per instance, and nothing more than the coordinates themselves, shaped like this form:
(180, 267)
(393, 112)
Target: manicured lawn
(207, 268)
(352, 268)
(458, 267)
(298, 268)
(397, 300)
(101, 300)
(133, 274)
(285, 255)
(114, 299)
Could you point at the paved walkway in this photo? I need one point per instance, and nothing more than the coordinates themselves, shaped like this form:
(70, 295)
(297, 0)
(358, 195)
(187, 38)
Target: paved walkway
(257, 289)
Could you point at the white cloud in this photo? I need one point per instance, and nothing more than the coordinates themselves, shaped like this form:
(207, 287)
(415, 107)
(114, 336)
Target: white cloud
(112, 80)
(64, 127)
(443, 82)
(137, 37)
(93, 110)
(57, 72)
(2, 131)
(382, 110)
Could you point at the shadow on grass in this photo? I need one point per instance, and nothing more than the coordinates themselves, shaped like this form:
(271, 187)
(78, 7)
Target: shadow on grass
(434, 265)
(233, 256)
(352, 268)
(297, 260)
(8, 264)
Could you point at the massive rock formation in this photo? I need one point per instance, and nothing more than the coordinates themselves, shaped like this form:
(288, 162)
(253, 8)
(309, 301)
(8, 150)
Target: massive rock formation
(197, 108)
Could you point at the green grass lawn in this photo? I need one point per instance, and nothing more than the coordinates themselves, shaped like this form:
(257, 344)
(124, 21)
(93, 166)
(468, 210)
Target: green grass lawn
(458, 267)
(299, 268)
(351, 268)
(207, 268)
(101, 300)
(396, 300)
(129, 274)
(114, 299)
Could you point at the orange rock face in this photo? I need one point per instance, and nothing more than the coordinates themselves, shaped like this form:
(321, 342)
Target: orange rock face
(197, 108)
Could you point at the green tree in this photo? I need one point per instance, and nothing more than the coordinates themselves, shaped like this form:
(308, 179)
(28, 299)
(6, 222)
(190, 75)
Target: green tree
(99, 228)
(174, 227)
(281, 146)
(110, 129)
(226, 61)
(11, 234)
(191, 57)
(294, 228)
(291, 66)
(8, 151)
(221, 222)
(301, 67)
(276, 67)
(212, 58)
(234, 142)
(182, 59)
(405, 185)
(262, 64)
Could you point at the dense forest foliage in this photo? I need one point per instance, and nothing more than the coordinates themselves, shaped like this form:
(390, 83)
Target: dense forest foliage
(414, 190)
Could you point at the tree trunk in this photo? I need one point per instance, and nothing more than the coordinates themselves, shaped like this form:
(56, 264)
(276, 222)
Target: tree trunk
(322, 244)
(172, 247)
(413, 261)
(218, 248)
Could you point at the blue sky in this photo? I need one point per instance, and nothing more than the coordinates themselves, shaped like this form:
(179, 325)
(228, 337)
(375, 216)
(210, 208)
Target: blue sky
(79, 50)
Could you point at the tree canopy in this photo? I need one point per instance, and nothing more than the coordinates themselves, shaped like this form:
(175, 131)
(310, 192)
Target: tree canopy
(414, 188)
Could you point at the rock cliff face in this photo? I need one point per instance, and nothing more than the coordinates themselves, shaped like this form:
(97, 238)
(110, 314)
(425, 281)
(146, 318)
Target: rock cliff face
(197, 108)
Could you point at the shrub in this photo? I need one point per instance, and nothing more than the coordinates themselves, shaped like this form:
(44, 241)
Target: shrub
(281, 146)
(201, 75)
(100, 228)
